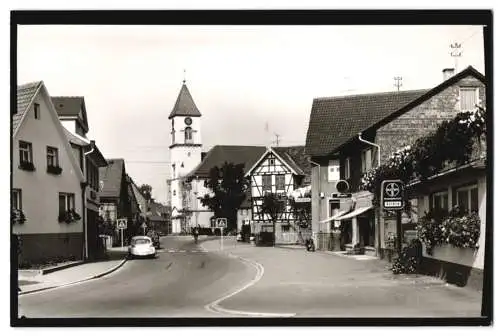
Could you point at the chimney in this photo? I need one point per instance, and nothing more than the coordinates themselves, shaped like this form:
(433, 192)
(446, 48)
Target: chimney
(448, 73)
(203, 154)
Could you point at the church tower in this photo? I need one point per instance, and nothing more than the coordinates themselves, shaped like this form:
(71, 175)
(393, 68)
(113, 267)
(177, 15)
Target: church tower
(185, 150)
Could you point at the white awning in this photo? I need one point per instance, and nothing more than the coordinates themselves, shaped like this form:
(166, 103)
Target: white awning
(335, 217)
(355, 213)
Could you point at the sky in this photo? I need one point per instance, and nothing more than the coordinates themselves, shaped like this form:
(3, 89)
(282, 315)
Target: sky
(240, 77)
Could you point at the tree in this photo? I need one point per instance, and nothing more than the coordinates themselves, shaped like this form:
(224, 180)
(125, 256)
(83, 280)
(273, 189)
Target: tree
(273, 205)
(228, 186)
(146, 191)
(301, 212)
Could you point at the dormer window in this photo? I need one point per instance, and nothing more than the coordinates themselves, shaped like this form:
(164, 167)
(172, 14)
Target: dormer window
(188, 135)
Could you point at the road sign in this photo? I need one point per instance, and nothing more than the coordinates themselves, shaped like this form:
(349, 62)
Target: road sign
(121, 223)
(144, 225)
(221, 222)
(392, 195)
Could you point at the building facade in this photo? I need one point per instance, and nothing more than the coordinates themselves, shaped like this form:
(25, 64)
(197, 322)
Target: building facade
(277, 173)
(43, 160)
(380, 124)
(72, 113)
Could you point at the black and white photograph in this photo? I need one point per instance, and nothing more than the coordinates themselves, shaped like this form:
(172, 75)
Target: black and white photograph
(201, 173)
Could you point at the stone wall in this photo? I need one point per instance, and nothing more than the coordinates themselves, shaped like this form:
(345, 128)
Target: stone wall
(424, 118)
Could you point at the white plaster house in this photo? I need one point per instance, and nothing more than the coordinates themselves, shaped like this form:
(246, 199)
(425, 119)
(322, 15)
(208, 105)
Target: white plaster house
(47, 180)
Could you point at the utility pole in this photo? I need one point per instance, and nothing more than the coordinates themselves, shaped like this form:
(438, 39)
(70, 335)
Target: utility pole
(398, 82)
(456, 52)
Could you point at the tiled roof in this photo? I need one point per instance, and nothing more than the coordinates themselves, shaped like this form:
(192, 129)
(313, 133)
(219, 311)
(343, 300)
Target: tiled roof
(25, 95)
(111, 175)
(296, 157)
(246, 155)
(67, 106)
(184, 106)
(336, 120)
(76, 139)
(70, 107)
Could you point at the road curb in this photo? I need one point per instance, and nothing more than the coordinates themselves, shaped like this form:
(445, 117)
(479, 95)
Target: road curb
(59, 268)
(97, 276)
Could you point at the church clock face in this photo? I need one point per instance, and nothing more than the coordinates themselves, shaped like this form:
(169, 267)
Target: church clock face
(188, 121)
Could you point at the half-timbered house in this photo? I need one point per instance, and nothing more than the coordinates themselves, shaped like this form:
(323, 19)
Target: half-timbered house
(279, 171)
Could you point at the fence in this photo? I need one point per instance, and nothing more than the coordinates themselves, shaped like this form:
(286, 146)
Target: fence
(329, 241)
(293, 237)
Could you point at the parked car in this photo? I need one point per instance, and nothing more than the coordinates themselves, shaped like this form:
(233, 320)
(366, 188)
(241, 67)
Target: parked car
(155, 237)
(141, 246)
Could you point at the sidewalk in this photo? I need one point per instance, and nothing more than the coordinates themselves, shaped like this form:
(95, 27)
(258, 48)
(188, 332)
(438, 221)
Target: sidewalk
(36, 281)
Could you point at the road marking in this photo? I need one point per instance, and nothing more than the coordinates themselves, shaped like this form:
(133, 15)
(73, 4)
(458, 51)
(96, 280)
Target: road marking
(214, 307)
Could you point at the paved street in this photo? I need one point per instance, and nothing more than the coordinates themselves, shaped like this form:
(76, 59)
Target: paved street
(325, 285)
(199, 280)
(175, 284)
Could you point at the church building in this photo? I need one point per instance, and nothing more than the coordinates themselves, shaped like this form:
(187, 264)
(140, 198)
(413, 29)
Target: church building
(185, 154)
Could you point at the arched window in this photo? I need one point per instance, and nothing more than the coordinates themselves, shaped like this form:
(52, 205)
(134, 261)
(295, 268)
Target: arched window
(188, 134)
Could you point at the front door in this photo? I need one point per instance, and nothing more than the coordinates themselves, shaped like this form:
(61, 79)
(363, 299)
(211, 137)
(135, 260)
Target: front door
(366, 231)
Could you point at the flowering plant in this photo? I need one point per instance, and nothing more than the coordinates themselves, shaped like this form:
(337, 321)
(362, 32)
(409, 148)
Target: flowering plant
(17, 216)
(69, 216)
(407, 261)
(451, 142)
(455, 228)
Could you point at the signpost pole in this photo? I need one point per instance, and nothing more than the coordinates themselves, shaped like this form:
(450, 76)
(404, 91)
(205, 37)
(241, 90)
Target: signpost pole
(221, 240)
(121, 232)
(398, 231)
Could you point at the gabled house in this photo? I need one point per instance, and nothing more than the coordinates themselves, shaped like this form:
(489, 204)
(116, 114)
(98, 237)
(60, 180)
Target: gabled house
(279, 171)
(114, 195)
(73, 116)
(135, 207)
(217, 156)
(349, 135)
(338, 154)
(141, 201)
(158, 218)
(43, 160)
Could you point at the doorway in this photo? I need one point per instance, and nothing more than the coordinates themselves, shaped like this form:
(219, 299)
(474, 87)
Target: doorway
(366, 231)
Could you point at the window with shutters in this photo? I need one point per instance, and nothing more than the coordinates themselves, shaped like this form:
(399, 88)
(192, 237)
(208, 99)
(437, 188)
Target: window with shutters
(333, 170)
(468, 98)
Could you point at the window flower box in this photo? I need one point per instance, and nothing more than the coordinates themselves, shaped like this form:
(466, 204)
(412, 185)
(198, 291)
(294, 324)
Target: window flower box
(55, 170)
(26, 165)
(17, 216)
(69, 216)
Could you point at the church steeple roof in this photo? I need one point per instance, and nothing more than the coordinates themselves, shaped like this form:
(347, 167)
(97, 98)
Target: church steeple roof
(184, 106)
